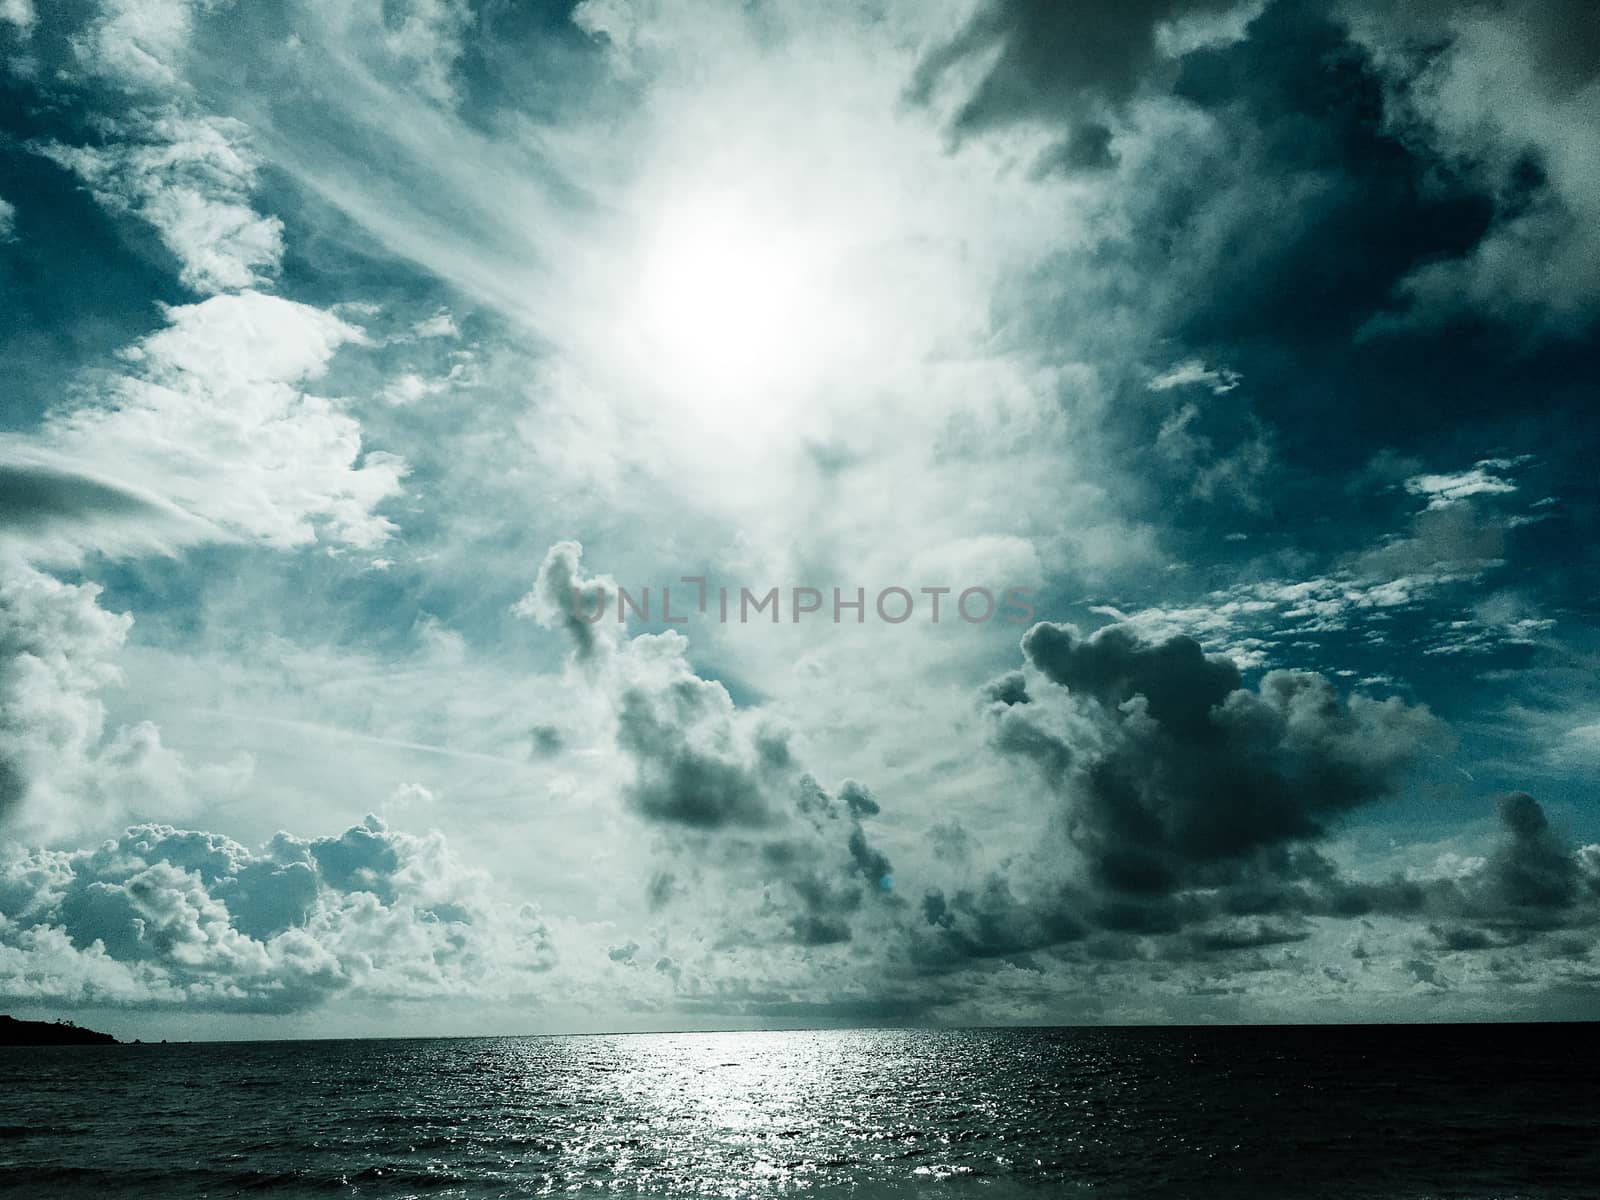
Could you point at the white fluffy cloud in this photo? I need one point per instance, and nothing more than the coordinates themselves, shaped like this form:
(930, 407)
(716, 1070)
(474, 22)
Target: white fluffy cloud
(1443, 491)
(166, 161)
(211, 415)
(190, 178)
(139, 44)
(61, 767)
(56, 646)
(1193, 371)
(162, 916)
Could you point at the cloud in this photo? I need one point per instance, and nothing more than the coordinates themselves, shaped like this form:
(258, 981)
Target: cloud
(1191, 807)
(61, 768)
(562, 599)
(1445, 540)
(190, 177)
(56, 647)
(204, 434)
(1182, 446)
(697, 762)
(37, 494)
(1581, 742)
(1532, 872)
(1193, 811)
(1192, 776)
(1515, 911)
(140, 45)
(209, 416)
(1062, 63)
(723, 780)
(440, 325)
(1510, 94)
(1357, 611)
(206, 437)
(1418, 587)
(1059, 369)
(1194, 371)
(158, 156)
(1445, 490)
(8, 220)
(426, 36)
(19, 14)
(52, 510)
(170, 917)
(214, 389)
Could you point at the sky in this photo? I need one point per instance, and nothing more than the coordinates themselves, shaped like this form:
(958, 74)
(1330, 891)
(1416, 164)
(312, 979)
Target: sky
(1222, 375)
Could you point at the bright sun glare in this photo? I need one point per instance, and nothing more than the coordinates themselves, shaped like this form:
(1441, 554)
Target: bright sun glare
(734, 311)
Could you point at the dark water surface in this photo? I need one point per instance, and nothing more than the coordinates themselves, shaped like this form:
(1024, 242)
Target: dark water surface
(1469, 1111)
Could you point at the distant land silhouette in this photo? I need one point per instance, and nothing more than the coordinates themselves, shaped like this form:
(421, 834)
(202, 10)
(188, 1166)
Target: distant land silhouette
(49, 1033)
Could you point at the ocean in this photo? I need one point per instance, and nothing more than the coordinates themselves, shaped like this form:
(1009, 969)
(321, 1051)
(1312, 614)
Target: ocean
(1389, 1111)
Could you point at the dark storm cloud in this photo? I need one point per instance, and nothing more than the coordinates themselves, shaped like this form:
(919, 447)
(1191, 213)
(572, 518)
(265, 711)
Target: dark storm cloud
(1058, 63)
(991, 921)
(1181, 685)
(1504, 93)
(828, 889)
(1525, 915)
(1195, 774)
(681, 780)
(1191, 804)
(1192, 807)
(1533, 870)
(1010, 688)
(873, 864)
(1271, 237)
(1531, 883)
(698, 761)
(697, 769)
(858, 799)
(825, 909)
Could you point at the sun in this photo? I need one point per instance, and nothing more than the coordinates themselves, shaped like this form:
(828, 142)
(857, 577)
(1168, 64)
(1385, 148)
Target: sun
(733, 308)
